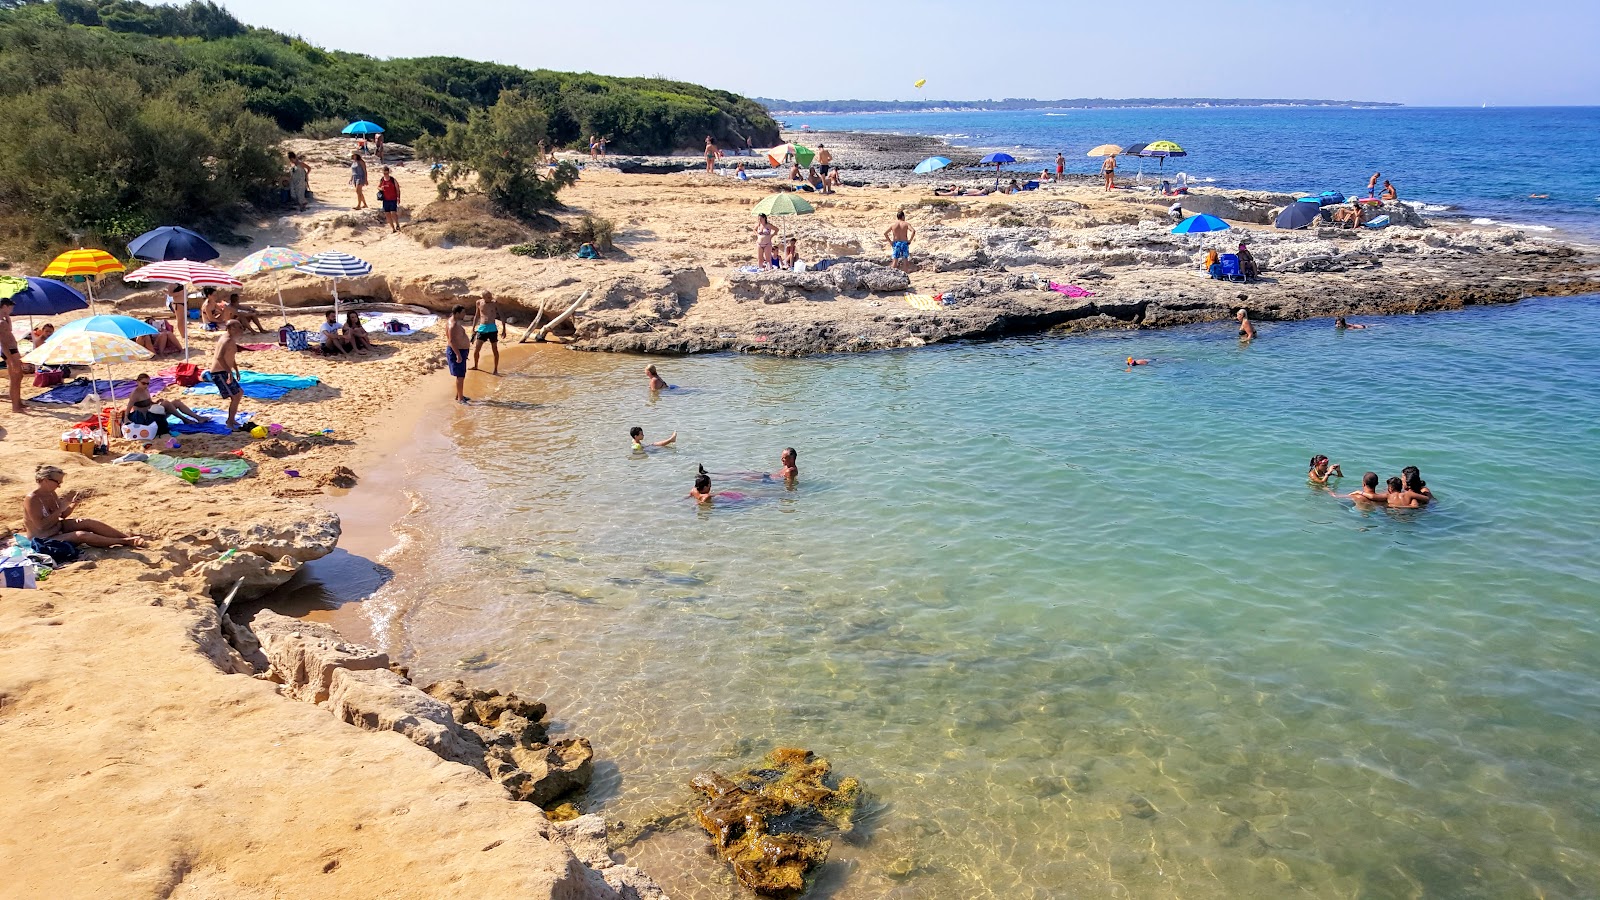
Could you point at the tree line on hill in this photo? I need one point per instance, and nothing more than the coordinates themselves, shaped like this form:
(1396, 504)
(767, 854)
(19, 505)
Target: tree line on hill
(801, 107)
(119, 115)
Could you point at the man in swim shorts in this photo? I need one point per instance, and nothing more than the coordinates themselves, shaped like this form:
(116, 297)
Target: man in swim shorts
(225, 371)
(13, 356)
(1061, 167)
(455, 353)
(824, 160)
(486, 327)
(900, 235)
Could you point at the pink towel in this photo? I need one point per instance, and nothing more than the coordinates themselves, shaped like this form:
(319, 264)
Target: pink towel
(1070, 290)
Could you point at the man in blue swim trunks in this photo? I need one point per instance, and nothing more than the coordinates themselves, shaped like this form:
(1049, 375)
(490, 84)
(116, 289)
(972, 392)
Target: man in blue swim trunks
(455, 353)
(486, 328)
(900, 235)
(225, 371)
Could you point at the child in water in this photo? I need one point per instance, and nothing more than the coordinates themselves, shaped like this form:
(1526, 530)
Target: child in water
(702, 493)
(637, 435)
(1321, 470)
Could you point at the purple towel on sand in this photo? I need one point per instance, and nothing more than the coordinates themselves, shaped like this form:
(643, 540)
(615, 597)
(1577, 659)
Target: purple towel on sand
(74, 391)
(1070, 290)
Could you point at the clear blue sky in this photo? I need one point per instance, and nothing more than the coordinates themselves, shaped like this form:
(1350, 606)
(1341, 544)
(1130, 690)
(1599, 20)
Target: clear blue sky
(1420, 52)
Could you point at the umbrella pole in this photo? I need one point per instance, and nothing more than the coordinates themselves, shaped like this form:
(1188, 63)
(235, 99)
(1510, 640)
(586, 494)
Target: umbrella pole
(336, 298)
(185, 313)
(279, 289)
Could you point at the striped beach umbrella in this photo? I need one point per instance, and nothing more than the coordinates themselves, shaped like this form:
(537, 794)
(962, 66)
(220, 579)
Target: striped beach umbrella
(274, 260)
(182, 271)
(86, 263)
(335, 265)
(86, 348)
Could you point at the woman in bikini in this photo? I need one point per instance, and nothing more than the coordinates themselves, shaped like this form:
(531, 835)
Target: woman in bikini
(1321, 470)
(47, 515)
(140, 401)
(765, 232)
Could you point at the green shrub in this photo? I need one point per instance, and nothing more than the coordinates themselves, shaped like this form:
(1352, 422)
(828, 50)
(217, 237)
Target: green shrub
(544, 248)
(595, 230)
(1011, 222)
(330, 127)
(936, 203)
(500, 146)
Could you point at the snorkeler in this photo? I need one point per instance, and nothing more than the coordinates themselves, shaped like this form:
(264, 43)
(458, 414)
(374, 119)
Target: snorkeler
(1321, 469)
(1341, 324)
(637, 434)
(657, 383)
(1369, 490)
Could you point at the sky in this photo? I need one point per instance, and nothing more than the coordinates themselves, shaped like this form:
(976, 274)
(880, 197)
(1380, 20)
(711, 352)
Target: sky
(1418, 52)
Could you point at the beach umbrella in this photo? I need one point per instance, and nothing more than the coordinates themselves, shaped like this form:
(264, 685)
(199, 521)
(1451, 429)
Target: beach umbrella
(997, 160)
(1105, 150)
(784, 205)
(335, 265)
(86, 348)
(274, 260)
(803, 155)
(931, 164)
(87, 264)
(1161, 150)
(778, 154)
(1200, 224)
(187, 273)
(43, 297)
(1299, 214)
(1329, 198)
(171, 242)
(363, 127)
(121, 326)
(1136, 150)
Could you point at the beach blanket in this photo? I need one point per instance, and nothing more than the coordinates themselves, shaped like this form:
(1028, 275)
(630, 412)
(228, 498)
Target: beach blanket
(923, 301)
(215, 422)
(219, 468)
(1070, 290)
(258, 346)
(374, 322)
(261, 385)
(74, 391)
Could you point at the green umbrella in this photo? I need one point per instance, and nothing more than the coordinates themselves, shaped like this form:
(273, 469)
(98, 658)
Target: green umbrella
(804, 155)
(784, 205)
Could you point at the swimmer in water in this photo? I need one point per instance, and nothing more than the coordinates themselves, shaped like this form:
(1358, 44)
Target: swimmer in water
(1369, 490)
(1341, 324)
(1322, 470)
(657, 383)
(702, 492)
(1137, 362)
(1412, 478)
(1400, 498)
(789, 470)
(1247, 331)
(637, 434)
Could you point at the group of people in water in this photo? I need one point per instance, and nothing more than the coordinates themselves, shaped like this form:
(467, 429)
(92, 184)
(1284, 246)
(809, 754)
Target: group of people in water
(1404, 491)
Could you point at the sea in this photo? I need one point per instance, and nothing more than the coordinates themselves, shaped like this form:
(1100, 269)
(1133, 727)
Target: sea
(1082, 629)
(1515, 166)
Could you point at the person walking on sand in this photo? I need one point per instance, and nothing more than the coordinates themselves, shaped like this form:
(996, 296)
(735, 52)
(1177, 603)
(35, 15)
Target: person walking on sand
(377, 146)
(46, 516)
(1061, 167)
(389, 196)
(486, 328)
(299, 173)
(358, 179)
(900, 235)
(455, 353)
(1247, 332)
(225, 371)
(13, 356)
(1109, 170)
(765, 232)
(711, 156)
(1372, 184)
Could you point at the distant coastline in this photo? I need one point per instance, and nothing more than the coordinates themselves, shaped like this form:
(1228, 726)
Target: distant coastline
(801, 107)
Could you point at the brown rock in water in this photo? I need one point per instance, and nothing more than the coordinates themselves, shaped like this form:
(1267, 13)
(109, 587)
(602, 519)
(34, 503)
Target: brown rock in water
(544, 773)
(759, 819)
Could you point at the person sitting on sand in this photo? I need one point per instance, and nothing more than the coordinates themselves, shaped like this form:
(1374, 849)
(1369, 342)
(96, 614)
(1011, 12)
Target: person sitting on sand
(1341, 324)
(636, 434)
(357, 332)
(1175, 211)
(1247, 263)
(1369, 490)
(794, 173)
(141, 409)
(47, 518)
(212, 314)
(1212, 259)
(42, 334)
(1389, 193)
(162, 342)
(1400, 498)
(246, 316)
(815, 180)
(1414, 483)
(1353, 217)
(791, 253)
(832, 179)
(740, 173)
(1321, 470)
(1247, 331)
(657, 383)
(334, 339)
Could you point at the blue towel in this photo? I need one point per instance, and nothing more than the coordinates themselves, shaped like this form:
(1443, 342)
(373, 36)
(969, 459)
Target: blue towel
(262, 385)
(215, 422)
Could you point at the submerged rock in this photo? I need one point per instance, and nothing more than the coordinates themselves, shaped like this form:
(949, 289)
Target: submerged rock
(764, 821)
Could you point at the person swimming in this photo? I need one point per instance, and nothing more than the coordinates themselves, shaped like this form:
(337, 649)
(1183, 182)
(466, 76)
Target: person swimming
(1246, 330)
(637, 435)
(1400, 498)
(1412, 479)
(1341, 324)
(1321, 470)
(1369, 490)
(1137, 362)
(657, 383)
(789, 469)
(702, 493)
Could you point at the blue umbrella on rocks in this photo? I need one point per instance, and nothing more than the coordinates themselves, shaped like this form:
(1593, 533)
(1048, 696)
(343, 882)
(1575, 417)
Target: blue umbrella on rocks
(1200, 224)
(1299, 214)
(172, 242)
(931, 164)
(997, 160)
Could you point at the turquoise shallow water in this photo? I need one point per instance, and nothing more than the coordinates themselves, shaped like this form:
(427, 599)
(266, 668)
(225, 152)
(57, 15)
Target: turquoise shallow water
(1081, 631)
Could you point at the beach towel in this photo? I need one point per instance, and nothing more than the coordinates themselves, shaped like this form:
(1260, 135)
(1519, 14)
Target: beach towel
(1070, 290)
(258, 346)
(74, 391)
(374, 322)
(923, 301)
(261, 385)
(219, 468)
(215, 422)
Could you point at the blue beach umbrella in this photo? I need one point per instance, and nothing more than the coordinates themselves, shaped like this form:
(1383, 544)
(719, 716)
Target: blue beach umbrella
(995, 159)
(121, 326)
(363, 127)
(43, 297)
(931, 164)
(1299, 214)
(1328, 198)
(172, 242)
(1200, 225)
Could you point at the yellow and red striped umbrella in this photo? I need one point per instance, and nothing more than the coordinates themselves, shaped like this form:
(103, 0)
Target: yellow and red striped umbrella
(88, 263)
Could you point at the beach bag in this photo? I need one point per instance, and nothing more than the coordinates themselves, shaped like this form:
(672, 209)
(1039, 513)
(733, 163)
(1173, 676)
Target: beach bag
(186, 374)
(394, 326)
(60, 551)
(44, 378)
(139, 431)
(298, 340)
(19, 572)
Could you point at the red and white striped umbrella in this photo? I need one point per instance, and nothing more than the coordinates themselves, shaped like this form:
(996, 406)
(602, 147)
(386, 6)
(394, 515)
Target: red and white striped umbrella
(182, 271)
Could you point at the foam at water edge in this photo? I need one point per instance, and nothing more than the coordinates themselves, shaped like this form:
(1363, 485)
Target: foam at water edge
(1498, 224)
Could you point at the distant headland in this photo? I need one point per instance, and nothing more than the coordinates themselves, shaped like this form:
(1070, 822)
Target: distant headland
(796, 107)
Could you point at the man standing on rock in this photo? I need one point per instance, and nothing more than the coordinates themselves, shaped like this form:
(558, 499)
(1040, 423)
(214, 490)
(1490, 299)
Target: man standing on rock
(824, 161)
(899, 236)
(455, 353)
(486, 327)
(8, 346)
(1372, 184)
(1061, 167)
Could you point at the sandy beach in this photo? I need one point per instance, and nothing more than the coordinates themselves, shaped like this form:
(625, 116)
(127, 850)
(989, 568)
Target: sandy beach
(151, 758)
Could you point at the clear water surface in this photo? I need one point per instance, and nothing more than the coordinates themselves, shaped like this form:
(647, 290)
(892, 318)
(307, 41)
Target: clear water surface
(1082, 631)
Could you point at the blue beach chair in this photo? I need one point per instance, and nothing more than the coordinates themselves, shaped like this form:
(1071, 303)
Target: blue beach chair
(1227, 268)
